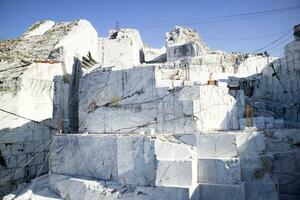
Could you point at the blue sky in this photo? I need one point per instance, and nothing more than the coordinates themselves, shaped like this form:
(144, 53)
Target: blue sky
(155, 17)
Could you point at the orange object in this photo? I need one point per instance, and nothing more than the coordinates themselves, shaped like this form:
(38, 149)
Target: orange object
(212, 82)
(249, 111)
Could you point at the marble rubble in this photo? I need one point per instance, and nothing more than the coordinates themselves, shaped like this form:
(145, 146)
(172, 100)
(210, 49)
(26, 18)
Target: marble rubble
(89, 117)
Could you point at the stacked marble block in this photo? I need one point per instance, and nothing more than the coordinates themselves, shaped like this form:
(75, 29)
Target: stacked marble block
(221, 165)
(17, 147)
(176, 164)
(134, 162)
(141, 98)
(233, 166)
(283, 146)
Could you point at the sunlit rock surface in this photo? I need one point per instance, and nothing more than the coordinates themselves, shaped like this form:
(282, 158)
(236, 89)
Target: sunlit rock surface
(122, 49)
(152, 55)
(143, 100)
(39, 28)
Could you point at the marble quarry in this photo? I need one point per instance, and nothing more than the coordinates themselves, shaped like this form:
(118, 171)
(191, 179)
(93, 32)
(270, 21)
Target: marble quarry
(88, 117)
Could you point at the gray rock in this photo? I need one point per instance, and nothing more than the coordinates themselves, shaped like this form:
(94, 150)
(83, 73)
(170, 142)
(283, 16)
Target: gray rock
(289, 184)
(260, 190)
(284, 163)
(256, 168)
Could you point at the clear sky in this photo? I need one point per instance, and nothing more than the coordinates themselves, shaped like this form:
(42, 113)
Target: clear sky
(155, 17)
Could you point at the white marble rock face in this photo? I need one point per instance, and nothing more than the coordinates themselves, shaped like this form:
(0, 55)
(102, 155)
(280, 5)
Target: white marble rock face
(216, 146)
(216, 109)
(136, 161)
(250, 143)
(118, 98)
(219, 171)
(129, 100)
(86, 156)
(218, 192)
(132, 160)
(122, 49)
(84, 189)
(180, 173)
(173, 151)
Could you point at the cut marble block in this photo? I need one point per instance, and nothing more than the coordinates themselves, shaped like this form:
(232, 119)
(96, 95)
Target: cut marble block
(78, 189)
(256, 168)
(176, 173)
(119, 100)
(136, 161)
(277, 145)
(187, 139)
(218, 192)
(84, 189)
(129, 159)
(81, 188)
(214, 112)
(122, 49)
(216, 145)
(182, 51)
(284, 163)
(260, 190)
(289, 183)
(165, 150)
(93, 156)
(219, 171)
(250, 143)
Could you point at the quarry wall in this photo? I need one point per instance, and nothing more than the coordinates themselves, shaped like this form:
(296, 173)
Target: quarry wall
(38, 73)
(173, 121)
